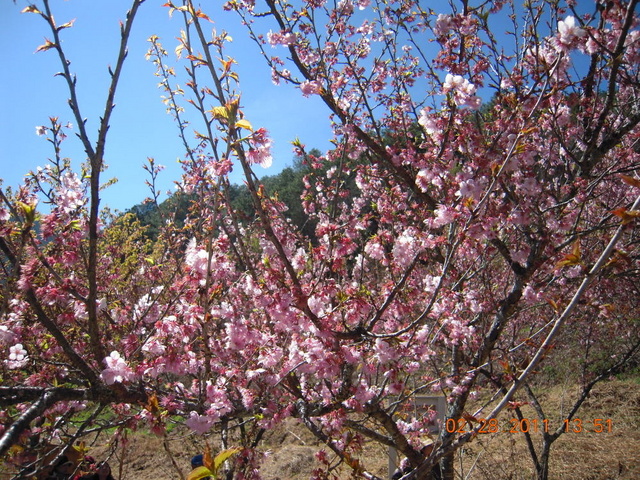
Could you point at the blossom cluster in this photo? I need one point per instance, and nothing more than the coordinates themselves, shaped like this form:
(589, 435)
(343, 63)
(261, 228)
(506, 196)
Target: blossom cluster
(260, 149)
(17, 357)
(117, 370)
(281, 38)
(463, 91)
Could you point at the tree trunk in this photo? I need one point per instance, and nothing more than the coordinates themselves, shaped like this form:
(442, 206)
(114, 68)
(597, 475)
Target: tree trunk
(543, 464)
(447, 472)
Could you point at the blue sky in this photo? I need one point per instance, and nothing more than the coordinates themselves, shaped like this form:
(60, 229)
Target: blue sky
(140, 128)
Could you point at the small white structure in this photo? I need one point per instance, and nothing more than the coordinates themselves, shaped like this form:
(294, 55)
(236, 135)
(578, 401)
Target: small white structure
(423, 402)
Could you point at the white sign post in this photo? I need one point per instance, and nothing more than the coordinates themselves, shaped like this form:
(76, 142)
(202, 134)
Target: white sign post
(437, 403)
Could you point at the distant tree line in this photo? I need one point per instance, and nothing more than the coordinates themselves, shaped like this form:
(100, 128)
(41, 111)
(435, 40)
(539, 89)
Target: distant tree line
(287, 186)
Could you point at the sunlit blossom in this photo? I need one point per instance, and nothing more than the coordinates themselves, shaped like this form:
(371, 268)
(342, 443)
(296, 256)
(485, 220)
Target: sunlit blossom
(443, 215)
(569, 31)
(260, 151)
(375, 250)
(428, 122)
(197, 258)
(17, 357)
(70, 195)
(463, 91)
(281, 38)
(443, 25)
(310, 88)
(117, 370)
(405, 248)
(199, 423)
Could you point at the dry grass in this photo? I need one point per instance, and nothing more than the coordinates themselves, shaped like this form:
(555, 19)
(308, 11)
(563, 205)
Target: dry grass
(289, 451)
(585, 455)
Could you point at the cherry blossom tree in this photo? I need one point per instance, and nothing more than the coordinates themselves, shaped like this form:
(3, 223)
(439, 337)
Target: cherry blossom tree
(476, 217)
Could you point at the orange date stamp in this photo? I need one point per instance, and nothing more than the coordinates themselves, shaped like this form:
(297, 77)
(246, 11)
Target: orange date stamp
(526, 425)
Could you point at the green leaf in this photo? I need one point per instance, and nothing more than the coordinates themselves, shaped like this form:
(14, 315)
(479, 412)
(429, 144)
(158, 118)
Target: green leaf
(223, 456)
(29, 212)
(220, 113)
(200, 472)
(242, 123)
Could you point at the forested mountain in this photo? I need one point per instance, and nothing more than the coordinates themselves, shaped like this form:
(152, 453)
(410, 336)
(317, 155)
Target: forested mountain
(286, 186)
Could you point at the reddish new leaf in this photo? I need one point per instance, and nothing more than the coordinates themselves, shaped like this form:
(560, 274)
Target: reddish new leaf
(30, 9)
(46, 45)
(66, 25)
(634, 182)
(627, 216)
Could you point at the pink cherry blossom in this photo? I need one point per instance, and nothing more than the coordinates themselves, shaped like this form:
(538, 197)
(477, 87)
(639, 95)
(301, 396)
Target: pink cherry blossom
(463, 91)
(6, 335)
(17, 357)
(70, 195)
(569, 30)
(281, 38)
(428, 122)
(197, 258)
(443, 216)
(200, 424)
(406, 248)
(117, 370)
(384, 353)
(375, 250)
(310, 87)
(260, 151)
(443, 25)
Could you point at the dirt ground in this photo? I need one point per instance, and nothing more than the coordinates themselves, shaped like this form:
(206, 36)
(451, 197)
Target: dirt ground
(290, 450)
